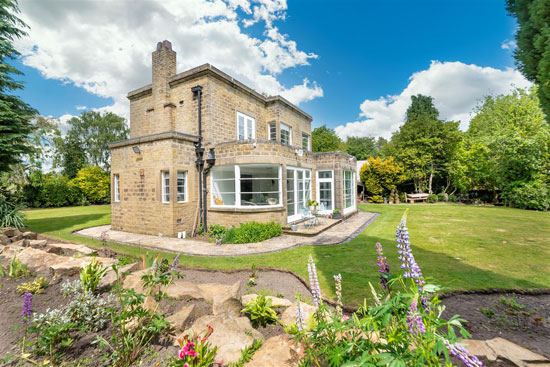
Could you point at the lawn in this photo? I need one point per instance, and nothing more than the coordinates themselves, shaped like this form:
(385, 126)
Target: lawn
(462, 247)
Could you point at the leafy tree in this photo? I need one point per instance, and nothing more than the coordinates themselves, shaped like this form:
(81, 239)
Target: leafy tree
(507, 148)
(381, 177)
(70, 155)
(91, 133)
(324, 139)
(361, 147)
(15, 115)
(42, 138)
(94, 184)
(424, 143)
(533, 44)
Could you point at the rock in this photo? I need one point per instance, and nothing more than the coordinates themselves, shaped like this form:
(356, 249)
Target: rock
(231, 306)
(151, 305)
(4, 240)
(229, 335)
(215, 292)
(275, 301)
(11, 232)
(289, 315)
(133, 281)
(278, 351)
(513, 352)
(180, 318)
(180, 289)
(73, 265)
(479, 348)
(10, 251)
(22, 243)
(16, 238)
(68, 249)
(38, 260)
(38, 243)
(110, 277)
(30, 235)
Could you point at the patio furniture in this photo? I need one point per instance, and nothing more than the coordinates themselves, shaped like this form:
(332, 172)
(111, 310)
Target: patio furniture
(322, 213)
(411, 198)
(308, 218)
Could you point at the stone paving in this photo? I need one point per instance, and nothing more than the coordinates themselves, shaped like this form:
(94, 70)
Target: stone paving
(341, 233)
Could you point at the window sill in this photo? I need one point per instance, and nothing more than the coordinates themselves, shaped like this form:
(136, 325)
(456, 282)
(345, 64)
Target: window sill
(247, 209)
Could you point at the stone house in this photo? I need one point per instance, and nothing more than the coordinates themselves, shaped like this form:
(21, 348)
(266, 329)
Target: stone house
(204, 147)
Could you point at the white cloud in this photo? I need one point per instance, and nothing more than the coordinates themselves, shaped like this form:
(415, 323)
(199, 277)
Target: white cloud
(105, 46)
(81, 108)
(456, 88)
(508, 45)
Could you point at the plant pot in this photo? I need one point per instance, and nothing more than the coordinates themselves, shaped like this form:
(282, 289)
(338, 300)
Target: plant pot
(336, 215)
(293, 227)
(311, 207)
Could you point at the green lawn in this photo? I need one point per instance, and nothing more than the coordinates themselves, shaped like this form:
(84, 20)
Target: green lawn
(464, 247)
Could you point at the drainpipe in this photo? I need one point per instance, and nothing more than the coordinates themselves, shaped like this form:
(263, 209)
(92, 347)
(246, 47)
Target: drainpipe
(211, 160)
(199, 151)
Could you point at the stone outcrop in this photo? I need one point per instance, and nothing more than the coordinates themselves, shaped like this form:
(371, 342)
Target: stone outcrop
(275, 301)
(496, 348)
(180, 319)
(289, 315)
(68, 249)
(36, 260)
(278, 351)
(110, 277)
(72, 265)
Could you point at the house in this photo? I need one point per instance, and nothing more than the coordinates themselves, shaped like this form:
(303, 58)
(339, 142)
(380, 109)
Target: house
(205, 148)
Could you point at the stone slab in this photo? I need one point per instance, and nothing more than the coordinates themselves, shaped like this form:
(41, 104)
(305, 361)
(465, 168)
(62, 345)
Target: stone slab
(275, 301)
(277, 351)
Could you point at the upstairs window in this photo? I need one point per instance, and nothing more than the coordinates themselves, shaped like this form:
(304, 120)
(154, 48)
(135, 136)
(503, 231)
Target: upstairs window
(286, 136)
(305, 141)
(165, 186)
(272, 126)
(246, 127)
(182, 186)
(117, 187)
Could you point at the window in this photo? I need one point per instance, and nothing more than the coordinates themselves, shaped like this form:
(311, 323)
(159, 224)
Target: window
(349, 191)
(298, 192)
(305, 141)
(251, 185)
(246, 128)
(272, 131)
(325, 187)
(117, 187)
(182, 186)
(286, 136)
(165, 186)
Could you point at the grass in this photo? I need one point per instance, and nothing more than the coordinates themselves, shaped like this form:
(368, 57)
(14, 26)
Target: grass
(462, 247)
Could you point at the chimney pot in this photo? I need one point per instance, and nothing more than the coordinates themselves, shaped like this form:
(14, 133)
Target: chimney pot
(164, 44)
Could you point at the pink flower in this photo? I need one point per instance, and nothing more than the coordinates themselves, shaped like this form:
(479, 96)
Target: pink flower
(181, 354)
(186, 365)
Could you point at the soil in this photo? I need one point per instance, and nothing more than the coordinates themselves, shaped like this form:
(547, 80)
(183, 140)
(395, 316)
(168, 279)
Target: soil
(526, 324)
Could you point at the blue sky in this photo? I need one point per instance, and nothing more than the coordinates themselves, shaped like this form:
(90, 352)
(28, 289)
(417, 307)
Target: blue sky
(354, 51)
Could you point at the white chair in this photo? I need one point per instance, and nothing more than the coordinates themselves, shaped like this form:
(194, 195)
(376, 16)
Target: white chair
(307, 217)
(323, 212)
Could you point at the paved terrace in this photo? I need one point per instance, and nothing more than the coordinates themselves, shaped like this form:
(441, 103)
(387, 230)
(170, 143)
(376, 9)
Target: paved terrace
(340, 233)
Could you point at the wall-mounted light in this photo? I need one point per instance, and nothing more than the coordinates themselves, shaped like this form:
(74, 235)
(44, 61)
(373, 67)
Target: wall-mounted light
(136, 149)
(211, 160)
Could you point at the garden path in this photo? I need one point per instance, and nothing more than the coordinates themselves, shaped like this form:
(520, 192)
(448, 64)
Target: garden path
(337, 234)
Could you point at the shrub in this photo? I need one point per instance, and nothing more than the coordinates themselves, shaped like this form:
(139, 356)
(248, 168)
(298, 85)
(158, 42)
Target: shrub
(95, 184)
(17, 269)
(217, 231)
(402, 197)
(528, 195)
(57, 190)
(381, 177)
(442, 197)
(54, 333)
(376, 199)
(88, 310)
(34, 287)
(91, 274)
(453, 198)
(432, 198)
(260, 311)
(11, 215)
(252, 232)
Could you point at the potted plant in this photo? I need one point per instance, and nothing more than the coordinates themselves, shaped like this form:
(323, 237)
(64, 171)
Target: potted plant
(312, 204)
(336, 214)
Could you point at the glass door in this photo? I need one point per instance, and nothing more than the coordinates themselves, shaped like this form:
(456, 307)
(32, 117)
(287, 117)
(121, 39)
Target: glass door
(298, 192)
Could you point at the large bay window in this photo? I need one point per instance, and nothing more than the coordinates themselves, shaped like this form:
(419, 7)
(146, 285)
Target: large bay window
(349, 191)
(248, 185)
(246, 127)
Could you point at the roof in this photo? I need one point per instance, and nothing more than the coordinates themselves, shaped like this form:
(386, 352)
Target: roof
(207, 69)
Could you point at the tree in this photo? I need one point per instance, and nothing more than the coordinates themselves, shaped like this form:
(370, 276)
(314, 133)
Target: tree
(361, 147)
(70, 155)
(94, 184)
(507, 147)
(533, 44)
(91, 133)
(324, 139)
(424, 144)
(15, 115)
(381, 177)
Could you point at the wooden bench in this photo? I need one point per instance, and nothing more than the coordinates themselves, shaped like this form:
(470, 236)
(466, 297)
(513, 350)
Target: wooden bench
(411, 198)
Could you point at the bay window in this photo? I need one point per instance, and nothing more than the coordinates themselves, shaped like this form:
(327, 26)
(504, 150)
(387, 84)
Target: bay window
(247, 185)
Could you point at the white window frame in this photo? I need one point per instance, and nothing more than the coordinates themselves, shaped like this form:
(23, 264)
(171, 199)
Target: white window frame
(297, 215)
(116, 184)
(237, 168)
(184, 187)
(331, 180)
(269, 125)
(308, 141)
(165, 189)
(353, 191)
(285, 127)
(248, 120)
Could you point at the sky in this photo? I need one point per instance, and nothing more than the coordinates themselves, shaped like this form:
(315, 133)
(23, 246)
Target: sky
(352, 65)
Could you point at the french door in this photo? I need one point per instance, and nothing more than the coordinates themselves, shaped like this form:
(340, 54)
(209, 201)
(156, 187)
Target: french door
(298, 191)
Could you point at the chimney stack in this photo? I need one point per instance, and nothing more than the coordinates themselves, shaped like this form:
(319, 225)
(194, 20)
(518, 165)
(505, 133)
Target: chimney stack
(164, 67)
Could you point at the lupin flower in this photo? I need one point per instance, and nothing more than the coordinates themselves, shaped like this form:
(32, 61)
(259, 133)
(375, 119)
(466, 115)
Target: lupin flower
(383, 267)
(414, 320)
(154, 266)
(461, 353)
(175, 263)
(314, 282)
(27, 307)
(300, 323)
(338, 286)
(409, 265)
